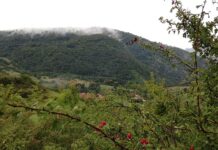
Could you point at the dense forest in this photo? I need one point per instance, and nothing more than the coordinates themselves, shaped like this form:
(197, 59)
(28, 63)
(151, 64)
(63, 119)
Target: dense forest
(97, 92)
(100, 57)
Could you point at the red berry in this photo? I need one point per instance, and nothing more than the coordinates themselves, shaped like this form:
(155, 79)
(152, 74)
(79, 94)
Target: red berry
(144, 141)
(161, 46)
(102, 124)
(129, 136)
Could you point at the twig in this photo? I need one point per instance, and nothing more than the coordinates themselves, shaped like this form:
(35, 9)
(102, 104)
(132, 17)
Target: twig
(72, 118)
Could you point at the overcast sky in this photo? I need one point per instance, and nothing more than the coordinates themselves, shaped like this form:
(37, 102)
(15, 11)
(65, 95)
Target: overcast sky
(139, 17)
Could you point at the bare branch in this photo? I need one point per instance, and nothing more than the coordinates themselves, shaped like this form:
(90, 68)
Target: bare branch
(72, 118)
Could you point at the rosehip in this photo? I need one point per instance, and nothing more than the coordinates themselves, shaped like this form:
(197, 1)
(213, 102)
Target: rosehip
(102, 124)
(129, 136)
(144, 141)
(161, 46)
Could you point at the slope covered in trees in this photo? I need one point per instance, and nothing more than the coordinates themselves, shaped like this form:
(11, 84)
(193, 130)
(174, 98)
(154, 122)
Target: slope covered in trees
(97, 56)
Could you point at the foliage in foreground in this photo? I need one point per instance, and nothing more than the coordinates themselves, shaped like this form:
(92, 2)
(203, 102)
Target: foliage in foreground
(164, 117)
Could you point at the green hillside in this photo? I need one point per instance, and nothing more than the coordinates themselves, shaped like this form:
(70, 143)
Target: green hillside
(99, 57)
(7, 65)
(155, 61)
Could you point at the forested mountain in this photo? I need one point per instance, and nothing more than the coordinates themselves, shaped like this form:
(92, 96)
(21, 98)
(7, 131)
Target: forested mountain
(105, 56)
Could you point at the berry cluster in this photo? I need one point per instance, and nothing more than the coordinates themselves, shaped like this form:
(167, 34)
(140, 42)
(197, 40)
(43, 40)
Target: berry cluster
(133, 41)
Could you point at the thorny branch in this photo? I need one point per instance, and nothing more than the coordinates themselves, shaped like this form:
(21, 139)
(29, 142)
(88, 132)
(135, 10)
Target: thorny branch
(72, 118)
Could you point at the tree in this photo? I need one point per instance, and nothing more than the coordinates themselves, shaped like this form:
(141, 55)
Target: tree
(203, 36)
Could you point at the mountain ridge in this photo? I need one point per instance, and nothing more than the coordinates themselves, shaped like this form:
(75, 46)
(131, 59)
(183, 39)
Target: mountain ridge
(97, 56)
